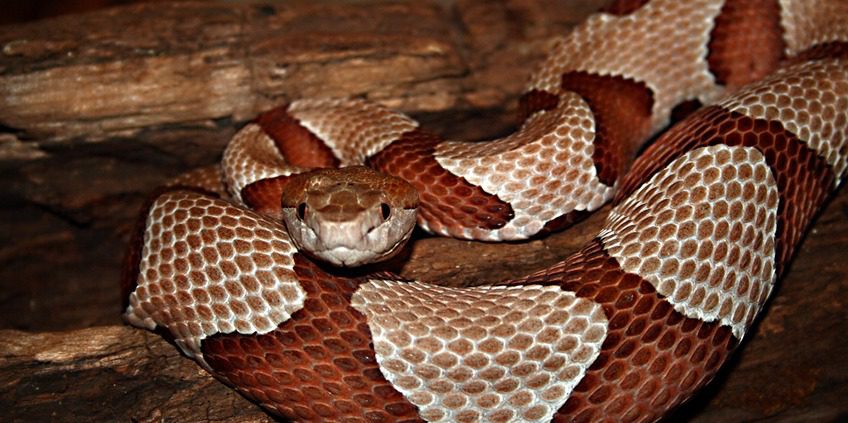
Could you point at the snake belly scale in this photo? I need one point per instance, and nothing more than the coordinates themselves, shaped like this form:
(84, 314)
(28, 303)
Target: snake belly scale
(630, 326)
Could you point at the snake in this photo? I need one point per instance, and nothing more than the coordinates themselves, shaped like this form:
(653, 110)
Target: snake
(703, 223)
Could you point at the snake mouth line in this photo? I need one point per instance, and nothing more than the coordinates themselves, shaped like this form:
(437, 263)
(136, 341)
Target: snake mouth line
(344, 246)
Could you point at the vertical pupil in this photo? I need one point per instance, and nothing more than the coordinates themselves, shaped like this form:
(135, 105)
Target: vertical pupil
(386, 210)
(301, 211)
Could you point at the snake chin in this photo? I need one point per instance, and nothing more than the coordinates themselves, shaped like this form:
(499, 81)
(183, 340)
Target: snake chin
(350, 244)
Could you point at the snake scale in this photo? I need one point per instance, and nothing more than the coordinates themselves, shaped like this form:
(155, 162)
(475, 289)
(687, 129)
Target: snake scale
(630, 326)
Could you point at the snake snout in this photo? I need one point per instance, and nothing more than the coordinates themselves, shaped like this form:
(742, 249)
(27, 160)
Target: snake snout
(350, 217)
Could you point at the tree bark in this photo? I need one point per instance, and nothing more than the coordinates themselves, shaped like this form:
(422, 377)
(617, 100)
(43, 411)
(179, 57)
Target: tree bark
(126, 69)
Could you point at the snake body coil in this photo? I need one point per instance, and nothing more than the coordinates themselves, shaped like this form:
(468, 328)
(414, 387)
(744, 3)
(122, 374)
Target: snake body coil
(625, 329)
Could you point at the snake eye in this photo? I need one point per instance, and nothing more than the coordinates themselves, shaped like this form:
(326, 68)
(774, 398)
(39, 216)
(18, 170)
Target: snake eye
(386, 210)
(301, 211)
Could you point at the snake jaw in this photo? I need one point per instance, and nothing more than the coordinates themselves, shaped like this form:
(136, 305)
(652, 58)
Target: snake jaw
(351, 243)
(350, 216)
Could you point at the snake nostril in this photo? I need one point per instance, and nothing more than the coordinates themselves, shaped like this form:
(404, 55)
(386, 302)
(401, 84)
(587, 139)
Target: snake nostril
(301, 211)
(386, 210)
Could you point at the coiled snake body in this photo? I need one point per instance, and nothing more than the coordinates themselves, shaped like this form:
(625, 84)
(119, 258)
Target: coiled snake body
(625, 329)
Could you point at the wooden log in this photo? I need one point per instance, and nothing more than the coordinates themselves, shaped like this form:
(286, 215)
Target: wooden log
(109, 373)
(107, 73)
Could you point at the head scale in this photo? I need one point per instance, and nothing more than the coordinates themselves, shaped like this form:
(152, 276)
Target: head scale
(349, 216)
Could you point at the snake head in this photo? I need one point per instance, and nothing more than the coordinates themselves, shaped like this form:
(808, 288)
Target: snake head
(349, 216)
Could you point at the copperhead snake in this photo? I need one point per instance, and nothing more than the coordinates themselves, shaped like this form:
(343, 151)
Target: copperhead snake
(626, 329)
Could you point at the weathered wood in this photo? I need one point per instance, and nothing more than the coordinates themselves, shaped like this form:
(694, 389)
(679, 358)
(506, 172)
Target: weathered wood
(123, 69)
(199, 61)
(109, 373)
(97, 109)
